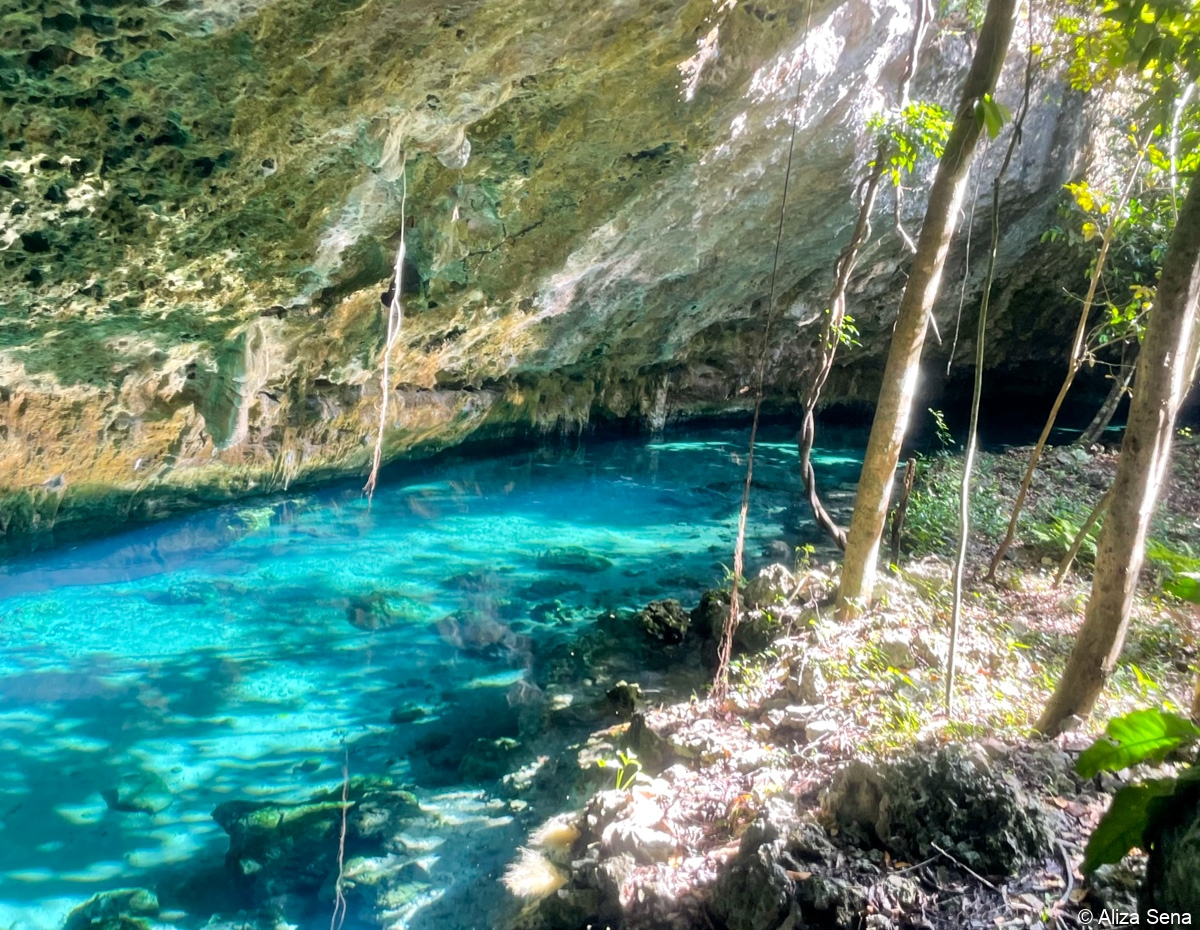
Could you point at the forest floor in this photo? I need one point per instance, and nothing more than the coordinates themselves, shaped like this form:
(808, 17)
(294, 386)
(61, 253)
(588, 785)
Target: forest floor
(825, 694)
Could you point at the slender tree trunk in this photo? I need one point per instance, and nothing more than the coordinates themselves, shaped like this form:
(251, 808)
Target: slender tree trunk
(901, 511)
(1109, 408)
(1163, 376)
(925, 277)
(1077, 543)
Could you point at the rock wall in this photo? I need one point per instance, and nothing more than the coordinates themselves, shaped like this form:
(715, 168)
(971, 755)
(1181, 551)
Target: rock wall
(200, 203)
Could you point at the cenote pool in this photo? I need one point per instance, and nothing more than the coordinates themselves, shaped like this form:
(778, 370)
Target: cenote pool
(248, 653)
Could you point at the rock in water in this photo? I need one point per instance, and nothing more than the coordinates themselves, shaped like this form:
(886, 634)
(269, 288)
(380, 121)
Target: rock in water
(138, 793)
(953, 798)
(665, 621)
(572, 559)
(114, 910)
(488, 759)
(278, 850)
(708, 617)
(623, 698)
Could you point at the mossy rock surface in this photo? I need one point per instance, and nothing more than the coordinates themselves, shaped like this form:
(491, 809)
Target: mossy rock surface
(291, 849)
(200, 205)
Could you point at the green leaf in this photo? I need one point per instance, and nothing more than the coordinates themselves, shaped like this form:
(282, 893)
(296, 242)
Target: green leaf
(1124, 824)
(1142, 735)
(992, 114)
(1185, 586)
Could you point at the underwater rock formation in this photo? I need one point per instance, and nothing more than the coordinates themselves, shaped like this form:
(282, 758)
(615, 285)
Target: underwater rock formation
(288, 853)
(200, 203)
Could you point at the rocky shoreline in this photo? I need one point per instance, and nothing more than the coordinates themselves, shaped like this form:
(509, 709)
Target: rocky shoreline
(678, 814)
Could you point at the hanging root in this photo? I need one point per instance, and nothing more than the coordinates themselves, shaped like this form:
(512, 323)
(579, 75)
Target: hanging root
(339, 900)
(394, 321)
(725, 651)
(964, 500)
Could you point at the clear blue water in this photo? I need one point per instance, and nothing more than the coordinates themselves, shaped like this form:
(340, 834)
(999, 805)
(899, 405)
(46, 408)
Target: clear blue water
(240, 652)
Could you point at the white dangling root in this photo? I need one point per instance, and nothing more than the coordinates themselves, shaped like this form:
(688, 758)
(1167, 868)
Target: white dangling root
(395, 320)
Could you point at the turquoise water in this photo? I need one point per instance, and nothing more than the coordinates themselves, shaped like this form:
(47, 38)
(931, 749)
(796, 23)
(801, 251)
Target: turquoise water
(244, 652)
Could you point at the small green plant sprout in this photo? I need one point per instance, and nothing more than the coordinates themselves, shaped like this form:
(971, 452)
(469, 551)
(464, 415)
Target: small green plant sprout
(804, 556)
(1142, 736)
(627, 766)
(944, 437)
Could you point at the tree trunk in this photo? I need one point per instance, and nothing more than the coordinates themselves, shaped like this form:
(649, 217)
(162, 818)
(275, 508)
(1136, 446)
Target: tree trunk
(1109, 408)
(1163, 376)
(925, 276)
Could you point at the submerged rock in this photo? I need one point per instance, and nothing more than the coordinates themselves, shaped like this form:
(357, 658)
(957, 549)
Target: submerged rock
(277, 850)
(664, 620)
(138, 793)
(369, 612)
(408, 712)
(954, 799)
(121, 909)
(572, 559)
(488, 759)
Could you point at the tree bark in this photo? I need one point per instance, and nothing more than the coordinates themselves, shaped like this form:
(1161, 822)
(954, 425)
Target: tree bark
(904, 357)
(1163, 376)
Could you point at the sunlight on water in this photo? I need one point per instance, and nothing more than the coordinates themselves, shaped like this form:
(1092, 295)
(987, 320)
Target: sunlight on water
(236, 654)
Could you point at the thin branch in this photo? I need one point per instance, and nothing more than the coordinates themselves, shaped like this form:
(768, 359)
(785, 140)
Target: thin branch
(966, 868)
(836, 315)
(1077, 542)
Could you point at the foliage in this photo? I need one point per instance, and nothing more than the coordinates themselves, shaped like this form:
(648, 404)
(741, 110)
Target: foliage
(945, 438)
(973, 10)
(845, 333)
(626, 765)
(1181, 570)
(1142, 736)
(1056, 535)
(991, 115)
(1149, 52)
(918, 129)
(932, 515)
(1124, 824)
(1157, 41)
